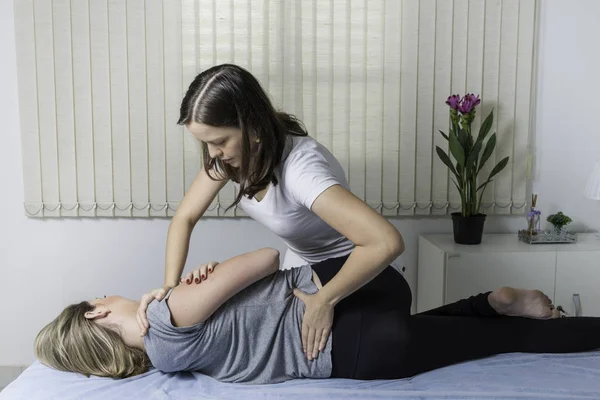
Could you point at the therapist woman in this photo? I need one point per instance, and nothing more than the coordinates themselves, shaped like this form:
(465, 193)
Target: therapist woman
(288, 182)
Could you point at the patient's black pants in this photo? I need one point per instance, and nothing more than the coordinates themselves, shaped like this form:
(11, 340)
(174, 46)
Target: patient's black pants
(376, 337)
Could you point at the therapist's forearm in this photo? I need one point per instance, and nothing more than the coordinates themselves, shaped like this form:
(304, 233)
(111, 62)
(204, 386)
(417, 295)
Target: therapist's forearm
(363, 264)
(178, 243)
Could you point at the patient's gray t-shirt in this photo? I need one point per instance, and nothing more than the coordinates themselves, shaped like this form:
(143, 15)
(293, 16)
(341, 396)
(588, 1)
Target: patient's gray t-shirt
(255, 337)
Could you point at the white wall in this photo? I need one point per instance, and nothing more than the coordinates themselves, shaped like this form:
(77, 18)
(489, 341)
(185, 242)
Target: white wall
(47, 264)
(567, 130)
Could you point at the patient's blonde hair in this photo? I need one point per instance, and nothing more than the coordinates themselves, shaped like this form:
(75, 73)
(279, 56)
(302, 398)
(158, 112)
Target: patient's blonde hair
(73, 343)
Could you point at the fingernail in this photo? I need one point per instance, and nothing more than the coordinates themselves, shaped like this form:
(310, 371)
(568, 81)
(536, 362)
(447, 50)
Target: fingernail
(197, 280)
(203, 277)
(210, 270)
(187, 281)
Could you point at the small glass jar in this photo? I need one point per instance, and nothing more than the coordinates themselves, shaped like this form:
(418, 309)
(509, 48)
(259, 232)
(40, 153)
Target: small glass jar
(560, 232)
(533, 221)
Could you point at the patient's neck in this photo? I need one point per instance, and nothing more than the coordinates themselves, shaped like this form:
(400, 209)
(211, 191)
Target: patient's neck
(130, 331)
(122, 317)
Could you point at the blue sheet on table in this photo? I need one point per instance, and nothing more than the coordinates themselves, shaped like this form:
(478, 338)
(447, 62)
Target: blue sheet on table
(508, 376)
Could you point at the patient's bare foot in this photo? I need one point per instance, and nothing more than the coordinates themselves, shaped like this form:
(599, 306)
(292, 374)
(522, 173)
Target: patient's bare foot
(522, 303)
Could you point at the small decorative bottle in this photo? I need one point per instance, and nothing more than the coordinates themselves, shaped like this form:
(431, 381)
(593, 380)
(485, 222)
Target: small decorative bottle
(533, 218)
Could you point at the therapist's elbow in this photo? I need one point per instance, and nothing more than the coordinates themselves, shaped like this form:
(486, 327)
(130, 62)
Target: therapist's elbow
(394, 243)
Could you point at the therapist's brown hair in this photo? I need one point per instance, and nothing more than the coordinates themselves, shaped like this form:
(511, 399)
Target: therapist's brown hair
(229, 96)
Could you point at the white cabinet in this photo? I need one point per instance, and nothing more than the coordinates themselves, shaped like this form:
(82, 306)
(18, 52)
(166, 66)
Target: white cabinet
(578, 282)
(448, 271)
(476, 273)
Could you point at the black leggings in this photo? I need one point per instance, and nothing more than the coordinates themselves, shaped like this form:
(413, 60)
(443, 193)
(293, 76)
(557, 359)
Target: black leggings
(376, 337)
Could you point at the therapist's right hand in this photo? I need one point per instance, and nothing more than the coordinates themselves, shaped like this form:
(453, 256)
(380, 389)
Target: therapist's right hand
(156, 294)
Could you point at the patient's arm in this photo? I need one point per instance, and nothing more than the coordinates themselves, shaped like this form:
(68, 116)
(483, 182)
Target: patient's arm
(191, 304)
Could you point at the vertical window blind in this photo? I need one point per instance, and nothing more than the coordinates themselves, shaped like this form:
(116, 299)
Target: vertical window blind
(100, 85)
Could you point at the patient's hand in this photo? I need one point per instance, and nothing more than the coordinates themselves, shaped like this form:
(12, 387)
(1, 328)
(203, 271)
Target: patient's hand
(200, 273)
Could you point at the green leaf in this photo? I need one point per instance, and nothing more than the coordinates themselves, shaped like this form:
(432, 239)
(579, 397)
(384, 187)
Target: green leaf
(457, 188)
(484, 184)
(487, 152)
(482, 187)
(457, 150)
(446, 160)
(460, 133)
(499, 167)
(444, 136)
(463, 138)
(460, 171)
(462, 195)
(471, 162)
(455, 127)
(485, 127)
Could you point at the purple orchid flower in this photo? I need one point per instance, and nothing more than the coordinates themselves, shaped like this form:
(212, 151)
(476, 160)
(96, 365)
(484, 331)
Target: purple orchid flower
(453, 101)
(468, 103)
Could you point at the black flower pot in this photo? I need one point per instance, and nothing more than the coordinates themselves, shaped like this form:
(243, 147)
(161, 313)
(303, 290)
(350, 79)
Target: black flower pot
(468, 230)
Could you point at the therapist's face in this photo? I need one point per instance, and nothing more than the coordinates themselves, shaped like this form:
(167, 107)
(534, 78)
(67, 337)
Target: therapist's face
(224, 143)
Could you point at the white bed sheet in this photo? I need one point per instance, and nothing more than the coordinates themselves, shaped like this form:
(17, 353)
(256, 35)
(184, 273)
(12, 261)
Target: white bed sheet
(508, 376)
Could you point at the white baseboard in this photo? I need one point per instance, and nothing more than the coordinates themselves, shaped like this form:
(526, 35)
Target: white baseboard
(9, 373)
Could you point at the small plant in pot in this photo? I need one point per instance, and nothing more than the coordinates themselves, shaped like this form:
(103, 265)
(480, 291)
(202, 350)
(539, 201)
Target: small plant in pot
(559, 221)
(470, 155)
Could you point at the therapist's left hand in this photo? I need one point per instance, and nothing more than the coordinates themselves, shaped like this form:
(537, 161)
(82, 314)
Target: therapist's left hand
(199, 274)
(316, 324)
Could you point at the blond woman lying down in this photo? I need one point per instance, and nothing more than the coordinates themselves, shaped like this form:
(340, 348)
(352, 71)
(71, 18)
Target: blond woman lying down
(243, 323)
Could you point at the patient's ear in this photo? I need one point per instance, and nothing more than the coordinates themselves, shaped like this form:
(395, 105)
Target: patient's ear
(100, 311)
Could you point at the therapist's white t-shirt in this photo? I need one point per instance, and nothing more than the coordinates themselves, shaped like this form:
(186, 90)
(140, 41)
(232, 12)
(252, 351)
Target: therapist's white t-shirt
(306, 171)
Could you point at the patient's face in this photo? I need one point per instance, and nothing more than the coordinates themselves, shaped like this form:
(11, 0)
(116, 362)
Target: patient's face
(106, 300)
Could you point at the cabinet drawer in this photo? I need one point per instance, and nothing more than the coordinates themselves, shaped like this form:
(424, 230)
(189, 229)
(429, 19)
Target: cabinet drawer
(472, 273)
(578, 273)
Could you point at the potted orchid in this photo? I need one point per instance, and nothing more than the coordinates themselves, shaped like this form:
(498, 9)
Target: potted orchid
(470, 154)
